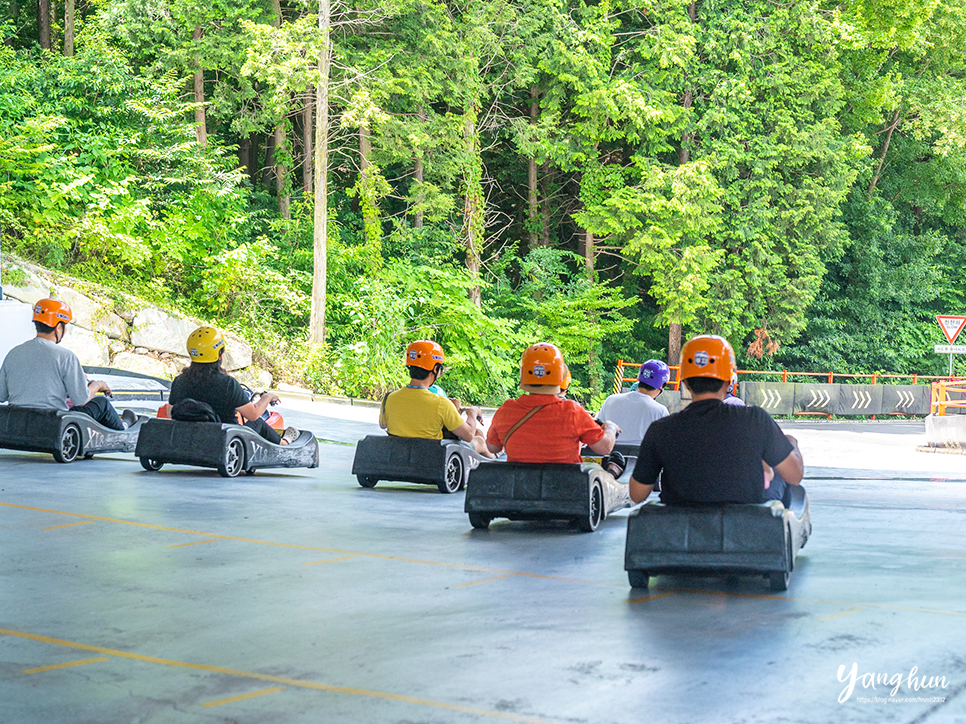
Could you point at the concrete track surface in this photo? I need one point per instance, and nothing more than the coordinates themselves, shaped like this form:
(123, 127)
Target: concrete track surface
(297, 596)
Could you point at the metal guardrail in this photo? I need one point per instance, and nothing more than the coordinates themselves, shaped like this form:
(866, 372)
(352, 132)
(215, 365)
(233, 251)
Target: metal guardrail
(947, 395)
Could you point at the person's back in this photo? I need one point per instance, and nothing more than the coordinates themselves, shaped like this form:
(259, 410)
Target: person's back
(539, 426)
(634, 411)
(712, 453)
(417, 412)
(40, 373)
(220, 390)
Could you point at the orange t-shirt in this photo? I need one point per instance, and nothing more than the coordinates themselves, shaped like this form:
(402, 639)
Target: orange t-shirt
(553, 435)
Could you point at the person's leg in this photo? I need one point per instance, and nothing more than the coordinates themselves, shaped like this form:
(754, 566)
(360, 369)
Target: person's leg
(102, 411)
(263, 429)
(777, 490)
(479, 444)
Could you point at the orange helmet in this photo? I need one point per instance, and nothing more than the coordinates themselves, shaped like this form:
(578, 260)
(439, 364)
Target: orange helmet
(542, 364)
(423, 353)
(52, 312)
(566, 380)
(708, 355)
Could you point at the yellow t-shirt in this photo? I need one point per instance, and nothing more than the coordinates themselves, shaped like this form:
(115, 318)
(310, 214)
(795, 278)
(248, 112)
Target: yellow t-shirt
(417, 412)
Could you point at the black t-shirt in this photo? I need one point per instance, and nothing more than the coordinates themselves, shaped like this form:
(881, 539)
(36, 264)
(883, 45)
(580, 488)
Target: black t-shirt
(711, 453)
(221, 391)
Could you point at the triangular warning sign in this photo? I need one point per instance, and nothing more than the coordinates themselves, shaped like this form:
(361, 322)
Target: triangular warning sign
(952, 325)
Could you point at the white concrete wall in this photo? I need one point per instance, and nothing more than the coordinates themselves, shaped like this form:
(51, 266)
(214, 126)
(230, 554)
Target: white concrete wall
(15, 325)
(946, 431)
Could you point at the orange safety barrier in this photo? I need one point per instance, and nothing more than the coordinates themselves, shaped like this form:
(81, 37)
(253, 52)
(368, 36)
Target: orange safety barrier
(830, 377)
(941, 399)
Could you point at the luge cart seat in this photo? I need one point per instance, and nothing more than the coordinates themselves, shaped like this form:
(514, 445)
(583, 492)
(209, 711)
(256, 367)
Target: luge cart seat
(718, 540)
(443, 463)
(230, 449)
(65, 435)
(543, 491)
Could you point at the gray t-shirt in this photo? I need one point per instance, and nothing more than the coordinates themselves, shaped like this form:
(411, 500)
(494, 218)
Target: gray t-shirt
(39, 373)
(633, 412)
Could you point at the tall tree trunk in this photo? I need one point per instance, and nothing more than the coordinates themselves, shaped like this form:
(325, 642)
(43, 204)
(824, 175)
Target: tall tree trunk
(268, 170)
(418, 172)
(473, 210)
(307, 150)
(282, 193)
(43, 23)
(587, 250)
(674, 345)
(885, 149)
(201, 128)
(281, 174)
(69, 28)
(532, 199)
(321, 211)
(245, 155)
(544, 205)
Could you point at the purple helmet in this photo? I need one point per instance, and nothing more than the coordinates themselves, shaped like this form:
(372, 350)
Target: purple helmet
(654, 373)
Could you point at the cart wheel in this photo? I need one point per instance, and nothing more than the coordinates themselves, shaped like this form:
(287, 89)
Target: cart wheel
(70, 445)
(234, 459)
(88, 456)
(250, 471)
(453, 475)
(480, 521)
(589, 523)
(638, 579)
(779, 580)
(367, 482)
(150, 465)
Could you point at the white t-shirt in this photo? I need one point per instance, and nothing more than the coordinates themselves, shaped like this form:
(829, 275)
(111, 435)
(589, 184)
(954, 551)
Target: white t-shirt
(633, 412)
(39, 373)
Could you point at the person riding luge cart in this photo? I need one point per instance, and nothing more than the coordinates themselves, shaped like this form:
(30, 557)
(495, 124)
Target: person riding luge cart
(53, 407)
(205, 431)
(731, 500)
(416, 449)
(544, 477)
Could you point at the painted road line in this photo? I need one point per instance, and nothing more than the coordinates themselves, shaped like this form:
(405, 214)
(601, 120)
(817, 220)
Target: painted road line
(295, 546)
(194, 543)
(481, 569)
(482, 580)
(41, 669)
(327, 560)
(840, 614)
(68, 525)
(652, 598)
(299, 683)
(242, 697)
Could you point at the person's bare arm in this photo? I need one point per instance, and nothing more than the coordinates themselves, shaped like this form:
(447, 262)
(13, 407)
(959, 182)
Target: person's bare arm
(792, 468)
(639, 491)
(95, 386)
(253, 411)
(606, 443)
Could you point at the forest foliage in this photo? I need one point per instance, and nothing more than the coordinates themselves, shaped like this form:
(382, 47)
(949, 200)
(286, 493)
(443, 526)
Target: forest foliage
(602, 175)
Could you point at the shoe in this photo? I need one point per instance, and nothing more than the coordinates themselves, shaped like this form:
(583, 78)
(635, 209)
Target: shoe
(614, 463)
(290, 435)
(129, 418)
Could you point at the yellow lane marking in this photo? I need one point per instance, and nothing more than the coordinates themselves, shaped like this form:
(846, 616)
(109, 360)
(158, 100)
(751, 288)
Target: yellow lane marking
(481, 569)
(194, 543)
(242, 697)
(41, 669)
(458, 566)
(840, 614)
(328, 560)
(278, 679)
(68, 525)
(652, 598)
(482, 580)
(859, 604)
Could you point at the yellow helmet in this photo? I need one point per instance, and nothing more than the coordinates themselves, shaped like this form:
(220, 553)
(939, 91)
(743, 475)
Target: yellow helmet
(205, 344)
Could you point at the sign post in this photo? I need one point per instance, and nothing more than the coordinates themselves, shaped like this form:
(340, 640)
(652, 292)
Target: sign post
(951, 325)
